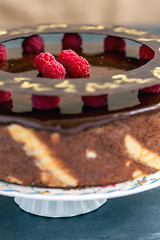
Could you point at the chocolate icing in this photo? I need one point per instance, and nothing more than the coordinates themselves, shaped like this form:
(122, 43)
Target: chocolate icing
(71, 122)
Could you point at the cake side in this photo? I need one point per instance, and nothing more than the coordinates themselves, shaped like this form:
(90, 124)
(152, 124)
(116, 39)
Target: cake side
(104, 155)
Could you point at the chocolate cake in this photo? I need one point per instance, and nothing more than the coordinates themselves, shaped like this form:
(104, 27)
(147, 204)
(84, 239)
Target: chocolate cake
(75, 145)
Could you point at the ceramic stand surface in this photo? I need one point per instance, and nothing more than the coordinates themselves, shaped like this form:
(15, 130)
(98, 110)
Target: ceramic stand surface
(53, 208)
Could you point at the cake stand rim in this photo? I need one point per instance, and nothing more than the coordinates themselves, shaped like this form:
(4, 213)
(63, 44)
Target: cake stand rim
(102, 192)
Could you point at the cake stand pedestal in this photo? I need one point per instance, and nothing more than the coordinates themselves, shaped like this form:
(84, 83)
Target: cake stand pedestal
(55, 209)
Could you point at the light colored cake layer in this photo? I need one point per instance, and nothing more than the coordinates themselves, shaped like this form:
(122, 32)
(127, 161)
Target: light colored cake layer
(49, 165)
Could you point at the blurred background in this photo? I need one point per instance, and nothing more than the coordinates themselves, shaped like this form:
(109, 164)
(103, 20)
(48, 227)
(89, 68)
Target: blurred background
(119, 12)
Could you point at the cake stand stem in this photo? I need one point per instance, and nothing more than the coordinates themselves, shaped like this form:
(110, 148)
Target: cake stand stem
(55, 208)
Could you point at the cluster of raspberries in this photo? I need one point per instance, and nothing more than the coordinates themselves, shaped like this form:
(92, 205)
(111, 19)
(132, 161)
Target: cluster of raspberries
(75, 66)
(67, 62)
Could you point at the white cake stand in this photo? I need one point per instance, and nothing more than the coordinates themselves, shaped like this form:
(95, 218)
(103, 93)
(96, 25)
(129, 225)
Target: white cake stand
(53, 208)
(49, 202)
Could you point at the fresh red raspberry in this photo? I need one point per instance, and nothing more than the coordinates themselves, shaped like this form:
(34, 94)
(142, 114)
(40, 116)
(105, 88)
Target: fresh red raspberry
(33, 44)
(95, 101)
(71, 40)
(146, 53)
(53, 69)
(3, 52)
(45, 102)
(41, 59)
(114, 44)
(152, 89)
(66, 56)
(78, 67)
(5, 96)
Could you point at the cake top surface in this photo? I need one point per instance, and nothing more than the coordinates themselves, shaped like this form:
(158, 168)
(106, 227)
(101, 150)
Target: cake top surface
(119, 75)
(108, 83)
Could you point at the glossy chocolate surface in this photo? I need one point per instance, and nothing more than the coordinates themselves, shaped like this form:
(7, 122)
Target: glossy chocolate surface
(72, 116)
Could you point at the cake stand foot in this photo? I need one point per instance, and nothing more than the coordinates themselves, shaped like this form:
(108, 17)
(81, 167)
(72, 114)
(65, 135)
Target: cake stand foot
(55, 209)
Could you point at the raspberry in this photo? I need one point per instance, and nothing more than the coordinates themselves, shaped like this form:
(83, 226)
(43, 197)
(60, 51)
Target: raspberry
(95, 101)
(78, 67)
(33, 44)
(6, 106)
(45, 102)
(72, 40)
(66, 56)
(5, 96)
(152, 89)
(3, 52)
(114, 44)
(41, 59)
(53, 69)
(146, 53)
(3, 65)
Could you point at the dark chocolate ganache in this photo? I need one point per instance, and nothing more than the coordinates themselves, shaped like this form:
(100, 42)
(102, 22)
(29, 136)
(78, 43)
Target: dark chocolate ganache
(72, 115)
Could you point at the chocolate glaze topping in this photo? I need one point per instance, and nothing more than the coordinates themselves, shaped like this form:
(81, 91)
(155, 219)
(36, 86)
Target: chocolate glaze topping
(71, 116)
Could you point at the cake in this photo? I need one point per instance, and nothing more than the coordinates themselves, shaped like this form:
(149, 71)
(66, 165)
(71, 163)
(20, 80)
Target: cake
(75, 145)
